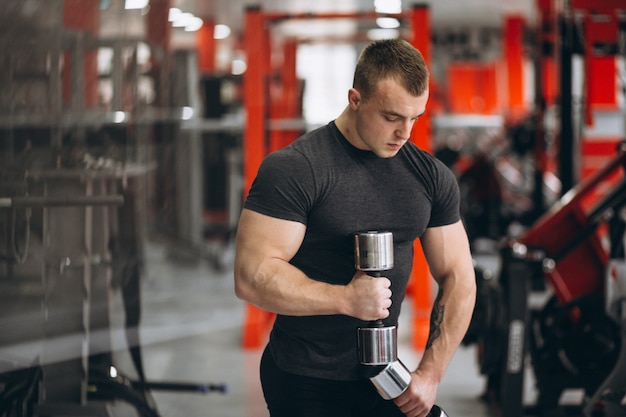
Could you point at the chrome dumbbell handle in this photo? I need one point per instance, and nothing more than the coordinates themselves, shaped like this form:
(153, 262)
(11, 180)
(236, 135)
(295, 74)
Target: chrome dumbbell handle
(437, 411)
(373, 254)
(393, 380)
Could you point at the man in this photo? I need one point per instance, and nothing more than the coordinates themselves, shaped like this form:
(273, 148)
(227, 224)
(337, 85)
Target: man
(295, 246)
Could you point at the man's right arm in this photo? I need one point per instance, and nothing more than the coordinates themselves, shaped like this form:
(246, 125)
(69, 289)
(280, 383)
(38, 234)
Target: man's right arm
(264, 277)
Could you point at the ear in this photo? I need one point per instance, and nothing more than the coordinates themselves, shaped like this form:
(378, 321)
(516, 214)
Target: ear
(354, 98)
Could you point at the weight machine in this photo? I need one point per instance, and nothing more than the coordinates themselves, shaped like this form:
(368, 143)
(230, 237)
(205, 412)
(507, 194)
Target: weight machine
(70, 221)
(574, 256)
(556, 309)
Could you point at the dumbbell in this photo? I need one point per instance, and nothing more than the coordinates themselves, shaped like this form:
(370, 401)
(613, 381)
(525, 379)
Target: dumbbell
(437, 411)
(373, 254)
(377, 343)
(393, 380)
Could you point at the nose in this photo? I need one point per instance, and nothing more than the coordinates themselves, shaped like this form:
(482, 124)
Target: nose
(404, 130)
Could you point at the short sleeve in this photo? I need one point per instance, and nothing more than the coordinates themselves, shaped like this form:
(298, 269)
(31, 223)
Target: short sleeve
(446, 202)
(283, 187)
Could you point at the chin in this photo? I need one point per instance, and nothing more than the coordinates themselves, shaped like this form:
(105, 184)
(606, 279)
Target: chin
(386, 154)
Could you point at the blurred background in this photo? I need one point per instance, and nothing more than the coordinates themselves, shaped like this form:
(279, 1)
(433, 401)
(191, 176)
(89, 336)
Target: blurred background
(130, 132)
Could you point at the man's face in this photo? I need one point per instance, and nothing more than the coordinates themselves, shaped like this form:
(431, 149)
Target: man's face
(384, 121)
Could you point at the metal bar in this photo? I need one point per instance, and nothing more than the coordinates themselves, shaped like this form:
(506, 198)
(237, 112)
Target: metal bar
(256, 41)
(255, 147)
(77, 71)
(181, 386)
(515, 286)
(117, 78)
(277, 17)
(567, 138)
(62, 201)
(513, 52)
(576, 194)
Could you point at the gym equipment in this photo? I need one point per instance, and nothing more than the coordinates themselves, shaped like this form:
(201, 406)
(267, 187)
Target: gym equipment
(377, 343)
(573, 340)
(437, 411)
(79, 379)
(374, 254)
(392, 381)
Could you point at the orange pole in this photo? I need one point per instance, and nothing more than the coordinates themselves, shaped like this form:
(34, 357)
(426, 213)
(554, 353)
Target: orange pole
(205, 42)
(600, 69)
(256, 46)
(364, 15)
(420, 20)
(548, 44)
(256, 43)
(420, 284)
(291, 85)
(287, 98)
(82, 15)
(513, 37)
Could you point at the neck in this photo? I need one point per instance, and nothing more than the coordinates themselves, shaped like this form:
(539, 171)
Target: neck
(346, 125)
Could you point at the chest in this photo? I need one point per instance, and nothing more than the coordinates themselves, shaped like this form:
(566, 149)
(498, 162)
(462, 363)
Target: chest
(372, 195)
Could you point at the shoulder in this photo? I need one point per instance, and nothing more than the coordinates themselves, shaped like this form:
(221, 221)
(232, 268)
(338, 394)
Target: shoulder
(313, 149)
(316, 141)
(426, 162)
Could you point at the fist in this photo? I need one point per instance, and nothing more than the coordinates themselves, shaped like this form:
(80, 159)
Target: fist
(369, 297)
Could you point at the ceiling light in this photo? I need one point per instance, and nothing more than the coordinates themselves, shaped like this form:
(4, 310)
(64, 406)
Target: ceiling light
(174, 13)
(194, 24)
(388, 6)
(376, 34)
(221, 31)
(119, 117)
(135, 4)
(186, 113)
(238, 66)
(143, 53)
(388, 22)
(182, 20)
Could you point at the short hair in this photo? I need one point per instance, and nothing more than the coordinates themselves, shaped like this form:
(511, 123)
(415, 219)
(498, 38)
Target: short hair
(391, 58)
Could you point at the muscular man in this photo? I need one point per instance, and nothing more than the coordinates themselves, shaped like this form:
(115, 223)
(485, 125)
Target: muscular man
(295, 246)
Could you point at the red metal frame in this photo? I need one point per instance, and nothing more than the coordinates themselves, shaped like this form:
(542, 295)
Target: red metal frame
(600, 70)
(286, 97)
(256, 40)
(205, 45)
(581, 270)
(420, 284)
(514, 61)
(548, 38)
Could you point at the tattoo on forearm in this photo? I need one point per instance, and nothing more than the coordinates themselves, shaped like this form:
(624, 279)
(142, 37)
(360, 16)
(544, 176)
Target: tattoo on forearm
(436, 318)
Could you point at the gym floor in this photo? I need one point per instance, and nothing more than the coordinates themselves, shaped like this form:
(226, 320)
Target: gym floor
(191, 333)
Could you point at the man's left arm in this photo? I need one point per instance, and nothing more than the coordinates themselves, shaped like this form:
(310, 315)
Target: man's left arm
(447, 252)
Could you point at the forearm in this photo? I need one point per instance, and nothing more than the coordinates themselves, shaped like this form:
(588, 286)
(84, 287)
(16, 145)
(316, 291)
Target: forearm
(450, 318)
(277, 286)
(448, 254)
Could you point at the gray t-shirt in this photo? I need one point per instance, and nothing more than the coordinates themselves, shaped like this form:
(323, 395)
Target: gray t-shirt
(337, 190)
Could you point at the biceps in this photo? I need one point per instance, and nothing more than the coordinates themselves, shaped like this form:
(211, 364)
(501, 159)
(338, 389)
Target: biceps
(261, 236)
(446, 249)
